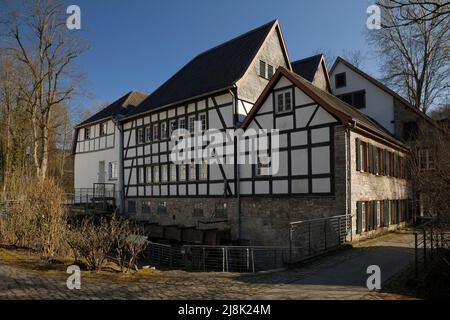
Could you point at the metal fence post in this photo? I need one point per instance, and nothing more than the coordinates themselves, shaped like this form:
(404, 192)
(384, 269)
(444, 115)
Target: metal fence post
(424, 248)
(431, 242)
(325, 233)
(253, 260)
(309, 238)
(204, 259)
(223, 259)
(416, 258)
(290, 244)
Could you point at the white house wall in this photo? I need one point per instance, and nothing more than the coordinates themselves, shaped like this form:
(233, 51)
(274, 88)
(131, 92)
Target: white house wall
(379, 104)
(90, 152)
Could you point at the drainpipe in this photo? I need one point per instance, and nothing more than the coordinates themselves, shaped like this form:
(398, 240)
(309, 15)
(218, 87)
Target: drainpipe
(237, 167)
(349, 179)
(119, 126)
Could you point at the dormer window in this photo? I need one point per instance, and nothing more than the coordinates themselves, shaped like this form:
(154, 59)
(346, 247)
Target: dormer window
(340, 80)
(283, 101)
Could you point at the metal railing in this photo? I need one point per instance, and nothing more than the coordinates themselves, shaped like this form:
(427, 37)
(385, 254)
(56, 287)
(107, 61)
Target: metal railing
(218, 258)
(429, 240)
(234, 258)
(310, 238)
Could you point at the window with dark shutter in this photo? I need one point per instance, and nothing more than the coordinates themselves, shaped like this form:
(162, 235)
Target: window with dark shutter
(386, 212)
(359, 217)
(358, 155)
(374, 215)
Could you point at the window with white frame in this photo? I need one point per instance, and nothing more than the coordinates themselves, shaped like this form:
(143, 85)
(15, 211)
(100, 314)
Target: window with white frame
(283, 100)
(163, 130)
(156, 174)
(182, 123)
(172, 127)
(164, 173)
(149, 177)
(141, 175)
(173, 172)
(203, 121)
(155, 132)
(87, 133)
(262, 68)
(112, 170)
(140, 135)
(148, 134)
(103, 127)
(191, 124)
(426, 159)
(263, 167)
(182, 172)
(192, 171)
(203, 170)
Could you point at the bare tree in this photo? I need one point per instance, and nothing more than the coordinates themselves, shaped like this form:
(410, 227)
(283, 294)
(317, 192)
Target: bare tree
(429, 10)
(37, 37)
(429, 164)
(415, 56)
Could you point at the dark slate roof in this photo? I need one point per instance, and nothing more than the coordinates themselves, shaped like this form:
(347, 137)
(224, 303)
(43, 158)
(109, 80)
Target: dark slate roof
(213, 70)
(121, 106)
(307, 67)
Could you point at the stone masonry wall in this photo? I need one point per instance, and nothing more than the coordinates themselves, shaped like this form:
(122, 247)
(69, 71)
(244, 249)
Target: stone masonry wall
(366, 186)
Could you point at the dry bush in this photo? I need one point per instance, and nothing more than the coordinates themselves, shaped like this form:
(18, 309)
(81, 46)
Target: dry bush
(35, 217)
(91, 241)
(128, 242)
(94, 242)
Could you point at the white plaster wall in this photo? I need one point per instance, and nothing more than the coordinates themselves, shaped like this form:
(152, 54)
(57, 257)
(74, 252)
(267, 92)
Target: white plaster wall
(379, 104)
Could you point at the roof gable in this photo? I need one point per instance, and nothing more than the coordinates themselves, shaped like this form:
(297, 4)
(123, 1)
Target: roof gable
(381, 86)
(309, 68)
(345, 113)
(216, 69)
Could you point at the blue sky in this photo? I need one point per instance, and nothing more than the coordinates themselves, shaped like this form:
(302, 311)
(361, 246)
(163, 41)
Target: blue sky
(137, 44)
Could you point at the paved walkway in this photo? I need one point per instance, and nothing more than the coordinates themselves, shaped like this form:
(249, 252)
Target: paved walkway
(341, 275)
(344, 276)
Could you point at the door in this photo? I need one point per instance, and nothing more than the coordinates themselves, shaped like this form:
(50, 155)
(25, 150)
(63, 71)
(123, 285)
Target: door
(101, 172)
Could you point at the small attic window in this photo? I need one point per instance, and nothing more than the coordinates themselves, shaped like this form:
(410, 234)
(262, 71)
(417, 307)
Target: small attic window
(269, 71)
(340, 80)
(262, 69)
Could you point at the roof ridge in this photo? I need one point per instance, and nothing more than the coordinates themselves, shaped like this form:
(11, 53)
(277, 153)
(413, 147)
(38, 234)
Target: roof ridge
(307, 58)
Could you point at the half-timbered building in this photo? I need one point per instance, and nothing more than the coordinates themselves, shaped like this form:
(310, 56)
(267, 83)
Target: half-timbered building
(331, 158)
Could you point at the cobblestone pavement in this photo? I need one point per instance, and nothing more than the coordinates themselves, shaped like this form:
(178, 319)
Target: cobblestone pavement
(341, 275)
